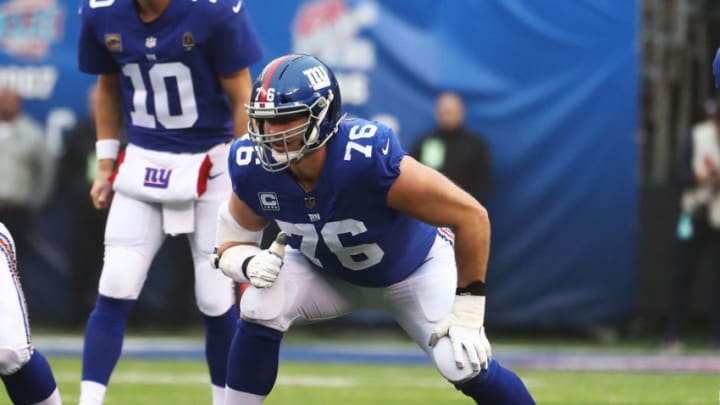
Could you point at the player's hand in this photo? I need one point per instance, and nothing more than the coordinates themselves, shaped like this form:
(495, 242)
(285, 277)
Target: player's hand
(464, 327)
(101, 192)
(262, 269)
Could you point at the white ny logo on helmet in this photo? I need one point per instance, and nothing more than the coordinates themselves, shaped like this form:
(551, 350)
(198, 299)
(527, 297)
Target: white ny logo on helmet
(318, 77)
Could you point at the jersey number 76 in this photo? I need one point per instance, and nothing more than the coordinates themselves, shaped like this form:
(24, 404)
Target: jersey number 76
(358, 257)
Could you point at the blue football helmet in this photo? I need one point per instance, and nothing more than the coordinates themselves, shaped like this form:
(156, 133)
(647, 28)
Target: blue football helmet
(290, 87)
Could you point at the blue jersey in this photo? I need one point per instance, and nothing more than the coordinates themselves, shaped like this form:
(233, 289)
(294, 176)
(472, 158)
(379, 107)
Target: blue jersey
(343, 225)
(169, 67)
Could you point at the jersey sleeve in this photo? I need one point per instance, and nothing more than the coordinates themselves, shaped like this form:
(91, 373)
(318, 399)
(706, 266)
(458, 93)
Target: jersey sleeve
(389, 153)
(241, 160)
(234, 44)
(236, 173)
(93, 55)
(378, 173)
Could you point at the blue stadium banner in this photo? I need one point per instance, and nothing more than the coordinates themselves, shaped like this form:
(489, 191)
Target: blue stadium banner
(38, 59)
(552, 84)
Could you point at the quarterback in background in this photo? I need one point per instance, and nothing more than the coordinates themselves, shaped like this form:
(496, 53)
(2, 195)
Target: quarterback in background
(24, 371)
(362, 225)
(176, 73)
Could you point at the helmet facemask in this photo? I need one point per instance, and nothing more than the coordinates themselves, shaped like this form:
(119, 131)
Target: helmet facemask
(273, 160)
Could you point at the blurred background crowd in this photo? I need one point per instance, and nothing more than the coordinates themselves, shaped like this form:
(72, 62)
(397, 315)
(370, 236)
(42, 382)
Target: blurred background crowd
(580, 126)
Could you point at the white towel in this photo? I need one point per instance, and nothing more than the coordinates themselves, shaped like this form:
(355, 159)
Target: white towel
(178, 218)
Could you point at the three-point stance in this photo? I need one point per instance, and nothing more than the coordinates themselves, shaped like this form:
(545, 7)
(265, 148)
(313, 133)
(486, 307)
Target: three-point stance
(176, 73)
(365, 225)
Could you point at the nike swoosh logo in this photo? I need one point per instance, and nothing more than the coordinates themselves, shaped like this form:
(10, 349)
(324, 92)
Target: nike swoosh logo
(237, 7)
(386, 148)
(214, 176)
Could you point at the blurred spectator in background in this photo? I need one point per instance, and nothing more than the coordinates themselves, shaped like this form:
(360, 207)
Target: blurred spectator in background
(78, 167)
(26, 166)
(698, 228)
(455, 151)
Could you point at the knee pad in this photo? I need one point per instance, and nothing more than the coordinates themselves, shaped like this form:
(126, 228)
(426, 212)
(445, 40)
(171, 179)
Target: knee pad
(442, 355)
(279, 306)
(13, 359)
(266, 307)
(215, 306)
(124, 273)
(214, 293)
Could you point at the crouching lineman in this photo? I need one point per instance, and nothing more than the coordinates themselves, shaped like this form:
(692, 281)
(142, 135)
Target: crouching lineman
(362, 225)
(24, 371)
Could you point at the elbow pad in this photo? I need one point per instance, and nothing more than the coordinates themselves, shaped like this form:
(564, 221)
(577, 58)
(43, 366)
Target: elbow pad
(229, 231)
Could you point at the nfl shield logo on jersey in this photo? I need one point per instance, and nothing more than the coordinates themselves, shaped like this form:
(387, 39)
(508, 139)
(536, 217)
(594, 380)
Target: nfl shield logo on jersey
(150, 42)
(188, 41)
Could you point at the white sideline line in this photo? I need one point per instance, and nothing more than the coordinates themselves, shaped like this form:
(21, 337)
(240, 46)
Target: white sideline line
(303, 380)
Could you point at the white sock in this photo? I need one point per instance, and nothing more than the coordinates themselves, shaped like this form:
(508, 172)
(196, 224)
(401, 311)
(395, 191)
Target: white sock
(233, 397)
(218, 395)
(92, 393)
(53, 399)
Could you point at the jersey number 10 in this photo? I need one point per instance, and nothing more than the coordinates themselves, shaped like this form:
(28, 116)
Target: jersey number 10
(158, 74)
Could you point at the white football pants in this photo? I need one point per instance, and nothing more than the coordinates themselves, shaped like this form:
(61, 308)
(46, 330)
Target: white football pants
(15, 345)
(134, 234)
(303, 294)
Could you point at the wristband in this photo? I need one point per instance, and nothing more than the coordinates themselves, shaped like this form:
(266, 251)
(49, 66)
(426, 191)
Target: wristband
(245, 265)
(474, 288)
(107, 149)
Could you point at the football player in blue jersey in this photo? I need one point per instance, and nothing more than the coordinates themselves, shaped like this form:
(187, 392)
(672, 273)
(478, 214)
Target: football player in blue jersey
(362, 225)
(23, 369)
(176, 73)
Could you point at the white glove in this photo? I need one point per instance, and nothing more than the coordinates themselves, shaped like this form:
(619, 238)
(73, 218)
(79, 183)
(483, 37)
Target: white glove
(464, 327)
(263, 268)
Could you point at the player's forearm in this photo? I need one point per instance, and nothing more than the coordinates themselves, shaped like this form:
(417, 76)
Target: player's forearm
(108, 109)
(238, 87)
(472, 247)
(107, 123)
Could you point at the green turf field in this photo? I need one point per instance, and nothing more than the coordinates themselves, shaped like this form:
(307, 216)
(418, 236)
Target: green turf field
(184, 382)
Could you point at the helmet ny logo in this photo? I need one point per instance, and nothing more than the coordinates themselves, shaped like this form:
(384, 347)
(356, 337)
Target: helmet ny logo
(318, 77)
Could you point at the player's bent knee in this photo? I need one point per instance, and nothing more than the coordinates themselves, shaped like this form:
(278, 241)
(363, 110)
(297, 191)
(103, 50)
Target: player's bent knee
(215, 306)
(442, 355)
(123, 274)
(214, 293)
(265, 306)
(12, 360)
